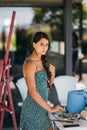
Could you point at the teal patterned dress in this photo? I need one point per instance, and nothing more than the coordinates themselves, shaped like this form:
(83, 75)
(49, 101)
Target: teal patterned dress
(33, 116)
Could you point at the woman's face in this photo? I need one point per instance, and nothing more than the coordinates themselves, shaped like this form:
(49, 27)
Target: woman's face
(41, 46)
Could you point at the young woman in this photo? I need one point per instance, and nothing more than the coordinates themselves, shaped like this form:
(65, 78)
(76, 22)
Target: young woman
(38, 74)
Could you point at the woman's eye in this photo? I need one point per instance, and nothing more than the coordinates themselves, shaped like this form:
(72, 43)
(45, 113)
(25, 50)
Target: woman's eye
(43, 44)
(46, 44)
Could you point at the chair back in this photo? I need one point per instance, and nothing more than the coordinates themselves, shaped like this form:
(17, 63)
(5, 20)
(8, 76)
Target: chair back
(63, 85)
(22, 86)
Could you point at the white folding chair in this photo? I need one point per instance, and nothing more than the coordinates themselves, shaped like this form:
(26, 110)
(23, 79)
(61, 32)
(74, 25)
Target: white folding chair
(22, 86)
(63, 85)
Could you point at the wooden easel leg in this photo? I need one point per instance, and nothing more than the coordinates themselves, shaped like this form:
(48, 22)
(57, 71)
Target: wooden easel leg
(2, 111)
(14, 121)
(1, 119)
(12, 108)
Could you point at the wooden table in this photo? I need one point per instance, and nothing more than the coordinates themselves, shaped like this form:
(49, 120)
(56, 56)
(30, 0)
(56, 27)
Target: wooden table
(59, 125)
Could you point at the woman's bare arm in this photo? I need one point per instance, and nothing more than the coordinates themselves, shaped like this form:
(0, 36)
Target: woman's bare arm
(29, 72)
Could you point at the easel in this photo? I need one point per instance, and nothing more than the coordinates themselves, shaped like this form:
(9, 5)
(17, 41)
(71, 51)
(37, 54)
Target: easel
(5, 79)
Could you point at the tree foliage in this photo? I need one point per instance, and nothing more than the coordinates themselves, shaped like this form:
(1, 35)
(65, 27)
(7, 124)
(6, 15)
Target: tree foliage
(51, 16)
(54, 16)
(48, 15)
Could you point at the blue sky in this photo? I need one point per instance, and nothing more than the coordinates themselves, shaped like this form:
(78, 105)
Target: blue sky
(85, 1)
(24, 15)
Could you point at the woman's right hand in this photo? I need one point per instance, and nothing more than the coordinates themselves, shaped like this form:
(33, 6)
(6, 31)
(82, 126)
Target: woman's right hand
(57, 108)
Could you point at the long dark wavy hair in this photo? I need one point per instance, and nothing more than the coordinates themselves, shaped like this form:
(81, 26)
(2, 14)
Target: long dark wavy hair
(37, 37)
